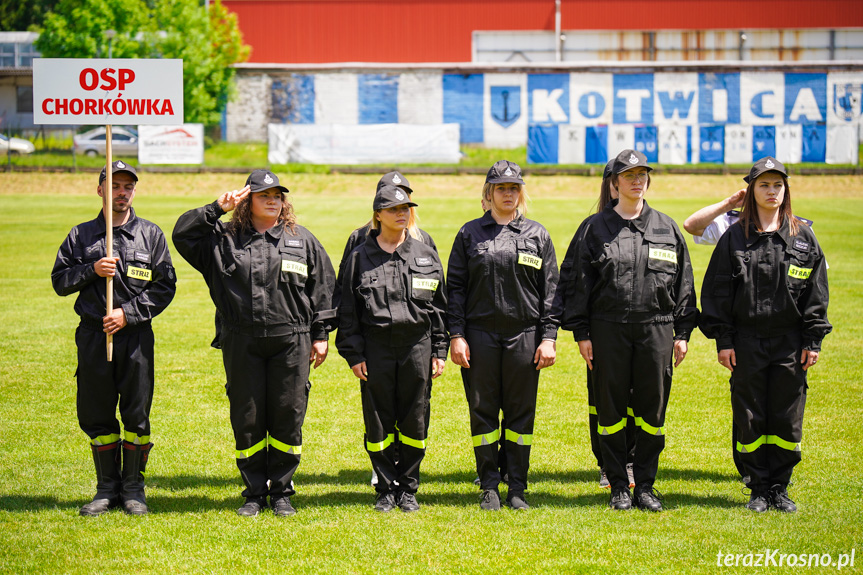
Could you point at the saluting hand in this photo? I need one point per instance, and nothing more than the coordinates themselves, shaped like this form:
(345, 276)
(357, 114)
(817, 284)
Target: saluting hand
(545, 354)
(459, 352)
(585, 347)
(360, 371)
(680, 349)
(319, 352)
(229, 200)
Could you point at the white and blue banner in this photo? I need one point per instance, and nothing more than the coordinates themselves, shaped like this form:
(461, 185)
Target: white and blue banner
(673, 117)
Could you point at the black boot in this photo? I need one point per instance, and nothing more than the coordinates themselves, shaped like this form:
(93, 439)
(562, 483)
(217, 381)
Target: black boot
(134, 464)
(107, 461)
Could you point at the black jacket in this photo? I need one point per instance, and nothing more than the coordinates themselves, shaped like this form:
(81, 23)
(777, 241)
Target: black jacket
(627, 271)
(144, 284)
(263, 284)
(766, 285)
(398, 299)
(356, 239)
(502, 279)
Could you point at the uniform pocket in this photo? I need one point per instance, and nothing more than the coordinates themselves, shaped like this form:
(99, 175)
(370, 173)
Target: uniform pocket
(425, 281)
(138, 270)
(294, 268)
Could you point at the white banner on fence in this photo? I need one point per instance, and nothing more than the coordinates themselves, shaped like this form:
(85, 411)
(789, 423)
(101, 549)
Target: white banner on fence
(842, 145)
(171, 144)
(117, 91)
(363, 144)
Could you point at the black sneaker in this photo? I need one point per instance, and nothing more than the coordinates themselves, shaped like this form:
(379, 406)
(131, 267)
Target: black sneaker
(648, 498)
(252, 507)
(490, 500)
(621, 500)
(758, 501)
(603, 479)
(517, 502)
(385, 502)
(408, 502)
(630, 474)
(780, 501)
(282, 506)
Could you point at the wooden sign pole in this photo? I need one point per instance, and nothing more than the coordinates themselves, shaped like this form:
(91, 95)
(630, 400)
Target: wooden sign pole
(107, 205)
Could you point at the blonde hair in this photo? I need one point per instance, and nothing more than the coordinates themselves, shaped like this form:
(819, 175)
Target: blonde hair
(413, 223)
(523, 197)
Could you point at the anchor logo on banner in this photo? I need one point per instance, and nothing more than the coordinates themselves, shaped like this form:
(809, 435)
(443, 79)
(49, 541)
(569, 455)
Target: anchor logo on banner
(846, 101)
(506, 104)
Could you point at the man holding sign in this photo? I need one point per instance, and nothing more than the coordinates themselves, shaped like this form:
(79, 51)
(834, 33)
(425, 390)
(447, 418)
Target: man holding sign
(144, 285)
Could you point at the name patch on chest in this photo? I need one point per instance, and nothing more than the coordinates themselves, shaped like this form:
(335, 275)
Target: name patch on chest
(664, 255)
(425, 283)
(529, 260)
(139, 273)
(295, 267)
(799, 273)
(423, 261)
(801, 245)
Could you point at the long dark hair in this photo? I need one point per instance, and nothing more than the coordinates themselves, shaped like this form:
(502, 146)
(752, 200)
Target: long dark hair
(749, 212)
(241, 220)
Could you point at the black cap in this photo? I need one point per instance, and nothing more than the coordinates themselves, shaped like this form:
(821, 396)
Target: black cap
(629, 159)
(119, 166)
(261, 180)
(389, 196)
(606, 173)
(504, 172)
(768, 164)
(395, 179)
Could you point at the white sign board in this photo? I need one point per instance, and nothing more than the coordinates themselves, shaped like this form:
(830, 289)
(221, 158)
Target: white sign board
(171, 144)
(118, 91)
(363, 144)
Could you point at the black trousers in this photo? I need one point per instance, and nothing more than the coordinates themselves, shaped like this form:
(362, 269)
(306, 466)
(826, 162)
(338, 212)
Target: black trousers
(502, 377)
(395, 411)
(593, 425)
(632, 368)
(127, 379)
(268, 388)
(768, 396)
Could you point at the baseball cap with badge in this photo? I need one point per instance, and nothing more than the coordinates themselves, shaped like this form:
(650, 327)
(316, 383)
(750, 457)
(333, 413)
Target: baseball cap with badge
(768, 164)
(389, 196)
(261, 180)
(606, 173)
(395, 179)
(504, 172)
(629, 159)
(119, 166)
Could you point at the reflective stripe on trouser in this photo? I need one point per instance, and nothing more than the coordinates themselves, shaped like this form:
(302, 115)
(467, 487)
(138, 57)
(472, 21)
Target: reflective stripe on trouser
(127, 382)
(632, 378)
(395, 405)
(768, 397)
(502, 377)
(593, 426)
(268, 387)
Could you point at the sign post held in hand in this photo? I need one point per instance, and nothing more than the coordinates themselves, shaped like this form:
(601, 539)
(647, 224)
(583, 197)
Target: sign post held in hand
(81, 91)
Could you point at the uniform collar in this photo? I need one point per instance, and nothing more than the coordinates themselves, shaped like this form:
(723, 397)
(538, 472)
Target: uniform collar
(613, 219)
(784, 233)
(127, 229)
(516, 224)
(374, 249)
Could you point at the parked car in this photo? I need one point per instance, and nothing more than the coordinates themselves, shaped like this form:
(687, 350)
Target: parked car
(124, 142)
(18, 146)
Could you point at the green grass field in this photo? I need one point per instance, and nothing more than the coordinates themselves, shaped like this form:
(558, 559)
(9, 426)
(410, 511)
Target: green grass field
(193, 485)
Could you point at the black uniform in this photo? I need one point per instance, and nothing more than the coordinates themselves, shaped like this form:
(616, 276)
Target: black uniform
(633, 296)
(395, 322)
(565, 292)
(144, 285)
(766, 298)
(272, 291)
(501, 282)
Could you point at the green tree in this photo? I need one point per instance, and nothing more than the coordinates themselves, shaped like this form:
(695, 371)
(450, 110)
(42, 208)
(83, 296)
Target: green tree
(208, 42)
(23, 15)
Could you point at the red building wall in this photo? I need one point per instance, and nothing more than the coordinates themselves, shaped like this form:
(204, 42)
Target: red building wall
(321, 31)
